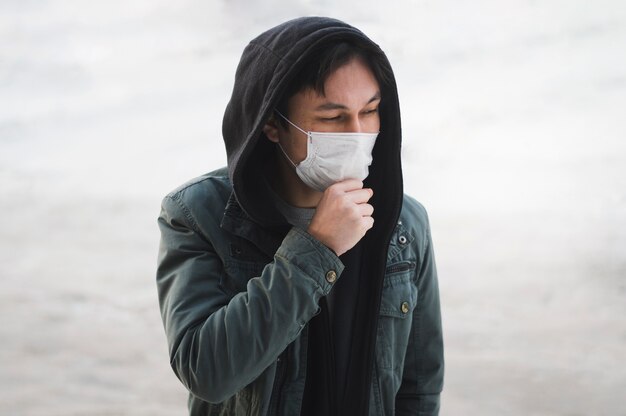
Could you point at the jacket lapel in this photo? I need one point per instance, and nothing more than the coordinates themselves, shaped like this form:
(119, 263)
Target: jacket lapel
(236, 221)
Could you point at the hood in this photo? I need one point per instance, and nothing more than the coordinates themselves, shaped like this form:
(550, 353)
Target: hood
(268, 64)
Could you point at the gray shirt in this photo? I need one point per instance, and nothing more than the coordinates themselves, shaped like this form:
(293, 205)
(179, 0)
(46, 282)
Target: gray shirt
(296, 216)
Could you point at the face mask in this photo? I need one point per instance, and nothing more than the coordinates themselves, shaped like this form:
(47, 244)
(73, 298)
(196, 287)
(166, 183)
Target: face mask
(333, 157)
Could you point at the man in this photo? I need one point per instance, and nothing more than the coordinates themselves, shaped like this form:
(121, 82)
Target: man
(287, 285)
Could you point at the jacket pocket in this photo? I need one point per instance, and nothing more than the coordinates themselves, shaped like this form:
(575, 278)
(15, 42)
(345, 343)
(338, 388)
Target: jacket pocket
(399, 298)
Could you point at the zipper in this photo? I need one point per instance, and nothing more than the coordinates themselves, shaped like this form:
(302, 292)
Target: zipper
(405, 266)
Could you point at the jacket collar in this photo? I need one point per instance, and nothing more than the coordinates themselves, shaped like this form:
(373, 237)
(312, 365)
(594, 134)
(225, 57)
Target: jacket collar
(236, 221)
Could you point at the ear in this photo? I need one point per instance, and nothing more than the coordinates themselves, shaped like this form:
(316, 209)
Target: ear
(271, 129)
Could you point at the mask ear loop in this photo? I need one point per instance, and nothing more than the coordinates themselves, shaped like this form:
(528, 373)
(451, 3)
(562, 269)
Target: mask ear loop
(280, 147)
(289, 121)
(285, 153)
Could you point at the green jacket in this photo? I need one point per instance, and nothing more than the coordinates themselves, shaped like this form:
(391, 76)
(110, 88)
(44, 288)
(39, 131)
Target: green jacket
(236, 299)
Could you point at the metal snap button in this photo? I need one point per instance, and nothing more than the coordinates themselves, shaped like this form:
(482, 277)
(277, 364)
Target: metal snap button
(404, 307)
(331, 276)
(402, 239)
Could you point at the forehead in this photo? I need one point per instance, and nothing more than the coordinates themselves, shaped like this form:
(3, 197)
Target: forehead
(351, 85)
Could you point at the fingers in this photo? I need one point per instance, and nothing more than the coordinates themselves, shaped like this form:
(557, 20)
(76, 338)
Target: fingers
(343, 215)
(366, 210)
(353, 188)
(360, 196)
(369, 222)
(347, 185)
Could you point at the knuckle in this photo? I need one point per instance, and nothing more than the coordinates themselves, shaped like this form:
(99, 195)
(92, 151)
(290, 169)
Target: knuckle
(354, 215)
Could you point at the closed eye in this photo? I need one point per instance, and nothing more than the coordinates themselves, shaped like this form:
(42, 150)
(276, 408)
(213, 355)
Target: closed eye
(371, 111)
(336, 118)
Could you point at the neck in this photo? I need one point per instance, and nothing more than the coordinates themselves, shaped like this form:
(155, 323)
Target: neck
(288, 185)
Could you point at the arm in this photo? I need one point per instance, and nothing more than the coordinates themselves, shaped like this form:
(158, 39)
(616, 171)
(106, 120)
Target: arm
(217, 343)
(422, 380)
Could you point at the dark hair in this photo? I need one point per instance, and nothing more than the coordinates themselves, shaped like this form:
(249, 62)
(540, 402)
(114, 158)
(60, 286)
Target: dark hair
(326, 60)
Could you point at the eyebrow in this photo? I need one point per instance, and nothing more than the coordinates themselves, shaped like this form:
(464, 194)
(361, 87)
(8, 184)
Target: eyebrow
(336, 106)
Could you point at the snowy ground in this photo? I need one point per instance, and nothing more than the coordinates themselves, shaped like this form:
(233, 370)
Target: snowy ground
(514, 140)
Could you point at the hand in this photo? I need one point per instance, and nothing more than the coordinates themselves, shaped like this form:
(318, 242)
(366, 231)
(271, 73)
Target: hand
(343, 215)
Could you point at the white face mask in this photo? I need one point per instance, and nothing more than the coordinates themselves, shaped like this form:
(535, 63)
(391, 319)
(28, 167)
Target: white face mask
(333, 157)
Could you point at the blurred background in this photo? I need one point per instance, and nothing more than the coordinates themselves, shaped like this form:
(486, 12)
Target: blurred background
(514, 140)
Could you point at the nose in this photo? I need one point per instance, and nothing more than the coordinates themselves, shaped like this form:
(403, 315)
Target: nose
(354, 125)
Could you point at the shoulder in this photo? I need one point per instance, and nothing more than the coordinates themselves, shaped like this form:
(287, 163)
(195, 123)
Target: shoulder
(207, 185)
(414, 213)
(200, 198)
(414, 218)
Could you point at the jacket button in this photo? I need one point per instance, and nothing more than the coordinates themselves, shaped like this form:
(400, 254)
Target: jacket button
(404, 307)
(402, 239)
(331, 276)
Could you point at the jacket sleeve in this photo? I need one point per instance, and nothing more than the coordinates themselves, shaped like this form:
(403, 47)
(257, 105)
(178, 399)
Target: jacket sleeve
(218, 343)
(422, 380)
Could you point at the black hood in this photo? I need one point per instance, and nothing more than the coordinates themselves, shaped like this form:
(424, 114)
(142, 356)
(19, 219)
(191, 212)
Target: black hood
(267, 66)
